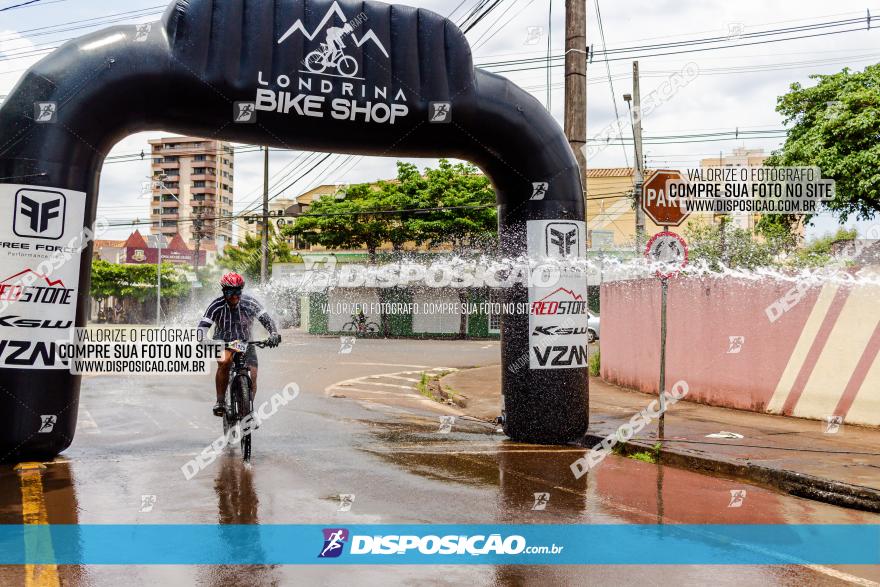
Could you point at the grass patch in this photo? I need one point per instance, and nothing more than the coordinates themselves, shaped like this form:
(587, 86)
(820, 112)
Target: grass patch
(651, 455)
(594, 364)
(429, 387)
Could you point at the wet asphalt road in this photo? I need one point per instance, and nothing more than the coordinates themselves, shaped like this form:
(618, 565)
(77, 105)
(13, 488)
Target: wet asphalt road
(134, 434)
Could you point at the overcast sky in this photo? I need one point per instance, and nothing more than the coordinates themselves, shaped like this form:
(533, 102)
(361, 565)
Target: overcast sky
(735, 88)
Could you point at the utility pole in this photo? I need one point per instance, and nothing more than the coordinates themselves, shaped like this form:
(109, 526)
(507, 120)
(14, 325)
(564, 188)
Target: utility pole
(264, 260)
(576, 83)
(640, 159)
(197, 230)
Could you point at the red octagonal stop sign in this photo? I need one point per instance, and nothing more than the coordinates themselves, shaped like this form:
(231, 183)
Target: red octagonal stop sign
(655, 200)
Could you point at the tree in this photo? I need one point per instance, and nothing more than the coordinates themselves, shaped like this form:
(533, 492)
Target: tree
(135, 283)
(722, 244)
(836, 126)
(474, 221)
(247, 256)
(373, 214)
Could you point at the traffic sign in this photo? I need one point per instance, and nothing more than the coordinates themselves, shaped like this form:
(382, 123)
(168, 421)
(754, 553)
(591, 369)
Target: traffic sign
(656, 202)
(670, 249)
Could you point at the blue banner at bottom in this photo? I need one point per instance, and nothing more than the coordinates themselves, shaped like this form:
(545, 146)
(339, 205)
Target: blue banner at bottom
(487, 544)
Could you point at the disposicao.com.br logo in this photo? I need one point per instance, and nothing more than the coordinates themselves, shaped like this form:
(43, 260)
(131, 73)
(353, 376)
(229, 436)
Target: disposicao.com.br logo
(412, 545)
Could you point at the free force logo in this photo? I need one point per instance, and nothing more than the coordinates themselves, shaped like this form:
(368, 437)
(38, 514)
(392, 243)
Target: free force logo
(39, 214)
(562, 239)
(334, 540)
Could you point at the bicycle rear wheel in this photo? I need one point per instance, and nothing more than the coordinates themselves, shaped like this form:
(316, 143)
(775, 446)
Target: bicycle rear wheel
(242, 392)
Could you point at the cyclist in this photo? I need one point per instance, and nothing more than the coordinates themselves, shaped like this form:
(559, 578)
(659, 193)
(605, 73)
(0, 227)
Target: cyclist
(232, 316)
(360, 320)
(334, 40)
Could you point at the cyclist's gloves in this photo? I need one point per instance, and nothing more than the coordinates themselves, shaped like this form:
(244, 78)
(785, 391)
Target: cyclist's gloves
(274, 339)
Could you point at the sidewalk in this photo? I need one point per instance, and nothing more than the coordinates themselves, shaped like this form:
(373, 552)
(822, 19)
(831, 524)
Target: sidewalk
(792, 455)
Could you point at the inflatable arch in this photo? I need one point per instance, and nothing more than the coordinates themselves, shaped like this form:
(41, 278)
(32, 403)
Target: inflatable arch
(402, 84)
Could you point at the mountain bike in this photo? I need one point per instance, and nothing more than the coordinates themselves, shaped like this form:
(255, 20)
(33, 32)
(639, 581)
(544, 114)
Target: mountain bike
(360, 327)
(239, 402)
(320, 59)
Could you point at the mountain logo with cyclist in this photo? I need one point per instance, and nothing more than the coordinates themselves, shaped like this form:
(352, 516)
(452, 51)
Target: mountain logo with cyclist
(331, 58)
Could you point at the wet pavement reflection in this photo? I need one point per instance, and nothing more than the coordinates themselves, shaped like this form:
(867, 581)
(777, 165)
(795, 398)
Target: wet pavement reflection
(399, 468)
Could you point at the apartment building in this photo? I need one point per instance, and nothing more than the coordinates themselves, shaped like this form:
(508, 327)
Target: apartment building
(740, 157)
(194, 191)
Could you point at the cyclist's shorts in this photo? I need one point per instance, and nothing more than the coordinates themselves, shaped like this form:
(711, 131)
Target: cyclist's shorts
(251, 357)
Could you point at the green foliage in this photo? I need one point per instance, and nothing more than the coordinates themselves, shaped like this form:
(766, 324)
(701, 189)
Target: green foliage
(721, 244)
(779, 230)
(357, 221)
(247, 256)
(594, 364)
(818, 252)
(137, 282)
(836, 126)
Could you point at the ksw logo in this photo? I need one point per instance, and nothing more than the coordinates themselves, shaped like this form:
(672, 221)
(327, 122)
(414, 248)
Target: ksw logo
(563, 356)
(17, 322)
(558, 330)
(334, 541)
(39, 214)
(563, 236)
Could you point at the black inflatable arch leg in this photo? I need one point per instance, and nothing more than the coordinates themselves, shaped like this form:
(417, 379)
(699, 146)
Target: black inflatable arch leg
(408, 89)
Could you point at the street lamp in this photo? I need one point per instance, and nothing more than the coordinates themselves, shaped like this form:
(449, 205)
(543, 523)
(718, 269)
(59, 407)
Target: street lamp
(158, 180)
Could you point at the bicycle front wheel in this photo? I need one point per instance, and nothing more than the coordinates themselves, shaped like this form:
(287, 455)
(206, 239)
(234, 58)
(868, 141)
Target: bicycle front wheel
(244, 406)
(347, 66)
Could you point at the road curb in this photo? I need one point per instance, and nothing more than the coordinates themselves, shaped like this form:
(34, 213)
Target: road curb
(791, 482)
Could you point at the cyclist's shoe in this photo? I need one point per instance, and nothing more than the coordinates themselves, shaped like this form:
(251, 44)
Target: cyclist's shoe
(220, 409)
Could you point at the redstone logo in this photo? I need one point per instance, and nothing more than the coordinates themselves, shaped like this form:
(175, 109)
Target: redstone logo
(54, 292)
(560, 302)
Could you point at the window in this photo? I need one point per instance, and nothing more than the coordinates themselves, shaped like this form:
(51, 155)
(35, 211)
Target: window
(200, 158)
(495, 319)
(198, 197)
(158, 160)
(199, 183)
(157, 210)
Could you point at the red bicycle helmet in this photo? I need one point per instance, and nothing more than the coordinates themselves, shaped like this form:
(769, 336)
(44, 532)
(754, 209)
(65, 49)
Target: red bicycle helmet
(231, 280)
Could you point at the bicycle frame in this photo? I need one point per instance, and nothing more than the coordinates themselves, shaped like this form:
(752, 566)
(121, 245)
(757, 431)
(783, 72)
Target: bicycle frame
(234, 415)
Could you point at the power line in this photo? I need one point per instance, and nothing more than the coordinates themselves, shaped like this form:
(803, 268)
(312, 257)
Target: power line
(474, 44)
(502, 26)
(610, 82)
(23, 4)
